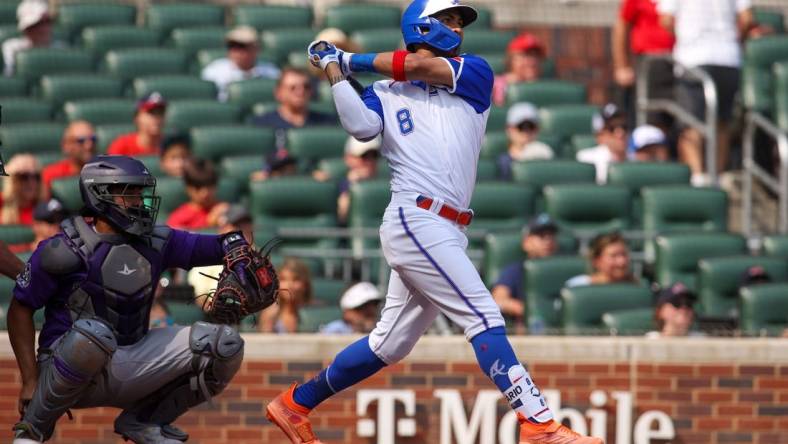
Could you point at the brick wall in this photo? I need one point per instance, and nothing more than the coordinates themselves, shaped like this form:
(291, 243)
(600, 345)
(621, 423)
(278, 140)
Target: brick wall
(708, 402)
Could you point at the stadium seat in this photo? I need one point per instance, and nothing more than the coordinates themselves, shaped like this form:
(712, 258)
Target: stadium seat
(309, 145)
(102, 39)
(203, 57)
(153, 163)
(163, 18)
(759, 56)
(356, 17)
(500, 250)
(175, 87)
(770, 17)
(484, 20)
(8, 13)
(107, 133)
(496, 121)
(247, 93)
(781, 94)
(630, 322)
(101, 111)
(544, 279)
(671, 208)
(312, 318)
(677, 255)
(36, 62)
(74, 17)
(486, 170)
(547, 93)
(13, 86)
(378, 40)
(776, 246)
(185, 114)
(497, 61)
(501, 206)
(540, 173)
(25, 110)
(16, 234)
(185, 313)
(279, 43)
(719, 280)
(764, 309)
(59, 89)
(127, 64)
(272, 16)
(30, 138)
(477, 41)
(589, 208)
(191, 40)
(66, 190)
(582, 141)
(637, 175)
(230, 189)
(7, 31)
(217, 141)
(494, 144)
(239, 167)
(567, 120)
(327, 292)
(584, 306)
(173, 194)
(368, 200)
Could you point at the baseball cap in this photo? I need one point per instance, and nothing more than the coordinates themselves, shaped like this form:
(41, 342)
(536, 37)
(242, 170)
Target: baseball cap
(355, 147)
(542, 224)
(245, 35)
(51, 211)
(31, 12)
(755, 274)
(522, 112)
(279, 159)
(358, 295)
(646, 135)
(151, 101)
(605, 114)
(677, 295)
(525, 42)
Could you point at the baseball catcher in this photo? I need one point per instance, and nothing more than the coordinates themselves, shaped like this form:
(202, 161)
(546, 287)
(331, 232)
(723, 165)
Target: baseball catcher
(95, 280)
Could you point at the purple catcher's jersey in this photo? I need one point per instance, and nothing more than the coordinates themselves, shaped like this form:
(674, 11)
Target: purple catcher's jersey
(39, 287)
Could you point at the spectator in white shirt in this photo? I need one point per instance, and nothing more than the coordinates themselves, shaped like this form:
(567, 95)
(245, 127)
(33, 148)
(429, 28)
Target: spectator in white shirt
(241, 62)
(360, 308)
(35, 23)
(648, 144)
(522, 130)
(611, 129)
(708, 36)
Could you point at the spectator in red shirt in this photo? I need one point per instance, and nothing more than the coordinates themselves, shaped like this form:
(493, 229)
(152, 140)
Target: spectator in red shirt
(202, 210)
(21, 190)
(638, 31)
(150, 129)
(524, 57)
(78, 146)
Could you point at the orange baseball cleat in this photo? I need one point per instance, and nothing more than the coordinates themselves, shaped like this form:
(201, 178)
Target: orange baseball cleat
(291, 418)
(551, 432)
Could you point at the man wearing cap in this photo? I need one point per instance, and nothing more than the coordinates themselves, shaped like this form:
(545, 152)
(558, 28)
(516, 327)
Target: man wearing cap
(361, 159)
(277, 164)
(46, 223)
(524, 57)
(610, 125)
(149, 120)
(648, 144)
(35, 23)
(674, 313)
(539, 240)
(79, 146)
(360, 306)
(241, 62)
(522, 129)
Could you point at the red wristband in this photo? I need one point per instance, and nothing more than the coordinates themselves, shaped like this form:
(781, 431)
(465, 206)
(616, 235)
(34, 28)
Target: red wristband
(398, 65)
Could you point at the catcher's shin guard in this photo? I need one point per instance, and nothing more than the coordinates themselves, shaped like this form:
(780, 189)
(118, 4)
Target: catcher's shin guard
(78, 357)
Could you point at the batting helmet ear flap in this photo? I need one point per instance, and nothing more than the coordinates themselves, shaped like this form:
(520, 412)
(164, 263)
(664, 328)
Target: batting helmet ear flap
(418, 25)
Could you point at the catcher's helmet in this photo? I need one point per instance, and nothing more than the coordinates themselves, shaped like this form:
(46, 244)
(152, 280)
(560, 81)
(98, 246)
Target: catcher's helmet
(418, 25)
(121, 190)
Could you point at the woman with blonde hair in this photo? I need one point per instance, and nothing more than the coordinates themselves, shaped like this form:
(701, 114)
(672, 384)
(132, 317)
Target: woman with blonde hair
(21, 190)
(295, 291)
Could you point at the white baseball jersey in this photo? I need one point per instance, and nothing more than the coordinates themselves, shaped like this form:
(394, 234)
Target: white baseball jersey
(432, 135)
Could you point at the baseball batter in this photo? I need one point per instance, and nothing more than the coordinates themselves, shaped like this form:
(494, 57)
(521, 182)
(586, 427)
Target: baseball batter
(95, 280)
(432, 116)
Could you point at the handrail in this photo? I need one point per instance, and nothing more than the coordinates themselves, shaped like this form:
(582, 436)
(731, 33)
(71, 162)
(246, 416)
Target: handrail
(751, 169)
(708, 128)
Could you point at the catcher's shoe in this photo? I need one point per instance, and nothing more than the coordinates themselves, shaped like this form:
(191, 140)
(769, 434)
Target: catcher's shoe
(142, 433)
(551, 432)
(26, 434)
(291, 418)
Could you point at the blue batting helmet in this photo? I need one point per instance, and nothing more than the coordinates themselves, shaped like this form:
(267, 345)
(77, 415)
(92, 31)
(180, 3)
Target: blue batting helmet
(418, 25)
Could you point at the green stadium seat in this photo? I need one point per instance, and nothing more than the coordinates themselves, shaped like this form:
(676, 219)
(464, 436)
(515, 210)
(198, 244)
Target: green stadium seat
(567, 120)
(128, 64)
(501, 206)
(776, 246)
(772, 18)
(25, 110)
(247, 93)
(584, 306)
(368, 201)
(630, 322)
(185, 114)
(203, 57)
(484, 20)
(239, 167)
(494, 144)
(49, 157)
(500, 250)
(311, 319)
(582, 141)
(378, 40)
(34, 63)
(217, 141)
(293, 202)
(13, 86)
(309, 145)
(102, 39)
(764, 309)
(8, 31)
(759, 56)
(540, 173)
(101, 111)
(272, 16)
(496, 121)
(107, 133)
(165, 17)
(66, 190)
(497, 61)
(477, 41)
(637, 175)
(185, 313)
(153, 163)
(356, 17)
(16, 234)
(173, 194)
(279, 43)
(75, 17)
(671, 208)
(229, 189)
(191, 40)
(677, 255)
(59, 89)
(589, 208)
(544, 279)
(30, 138)
(8, 13)
(486, 170)
(781, 94)
(327, 292)
(175, 87)
(719, 280)
(547, 93)
(334, 168)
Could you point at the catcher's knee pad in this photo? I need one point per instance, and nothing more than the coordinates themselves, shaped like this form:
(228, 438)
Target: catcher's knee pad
(218, 351)
(85, 349)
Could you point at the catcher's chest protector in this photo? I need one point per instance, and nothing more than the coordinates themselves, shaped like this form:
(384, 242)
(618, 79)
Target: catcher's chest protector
(120, 280)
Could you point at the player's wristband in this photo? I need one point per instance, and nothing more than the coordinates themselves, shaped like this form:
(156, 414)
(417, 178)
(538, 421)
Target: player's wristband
(362, 62)
(398, 65)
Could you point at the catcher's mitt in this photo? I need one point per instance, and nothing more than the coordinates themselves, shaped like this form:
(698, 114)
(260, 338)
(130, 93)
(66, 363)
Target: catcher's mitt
(247, 284)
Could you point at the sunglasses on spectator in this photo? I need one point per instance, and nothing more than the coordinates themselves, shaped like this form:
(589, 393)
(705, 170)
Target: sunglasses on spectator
(527, 126)
(84, 139)
(305, 86)
(27, 176)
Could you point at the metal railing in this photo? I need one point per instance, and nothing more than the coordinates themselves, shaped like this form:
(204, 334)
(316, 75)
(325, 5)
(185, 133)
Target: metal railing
(708, 127)
(751, 170)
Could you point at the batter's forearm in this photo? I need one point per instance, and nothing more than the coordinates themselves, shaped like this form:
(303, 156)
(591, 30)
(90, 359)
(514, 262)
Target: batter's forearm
(22, 334)
(432, 70)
